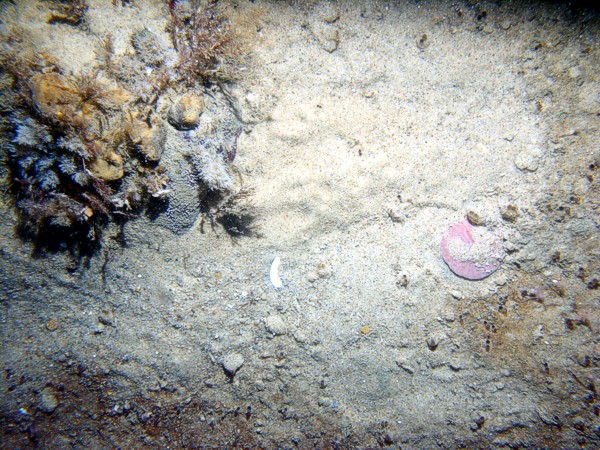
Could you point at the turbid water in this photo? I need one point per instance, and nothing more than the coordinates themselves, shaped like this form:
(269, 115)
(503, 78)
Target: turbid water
(140, 307)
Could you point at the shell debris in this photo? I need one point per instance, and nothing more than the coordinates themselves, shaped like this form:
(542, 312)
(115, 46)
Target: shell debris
(274, 273)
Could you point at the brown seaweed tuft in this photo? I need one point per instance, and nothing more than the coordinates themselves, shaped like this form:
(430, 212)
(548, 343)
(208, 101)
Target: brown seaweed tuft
(70, 12)
(207, 43)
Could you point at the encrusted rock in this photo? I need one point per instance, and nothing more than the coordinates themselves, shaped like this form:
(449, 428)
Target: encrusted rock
(108, 167)
(63, 99)
(149, 138)
(148, 47)
(185, 113)
(53, 95)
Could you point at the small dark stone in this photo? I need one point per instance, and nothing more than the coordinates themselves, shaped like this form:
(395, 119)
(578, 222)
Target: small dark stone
(423, 42)
(432, 343)
(474, 218)
(478, 424)
(510, 213)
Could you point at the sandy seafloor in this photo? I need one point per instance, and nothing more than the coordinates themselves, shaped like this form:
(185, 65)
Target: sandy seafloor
(363, 142)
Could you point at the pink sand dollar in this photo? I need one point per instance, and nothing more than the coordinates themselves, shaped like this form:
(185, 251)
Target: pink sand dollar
(471, 253)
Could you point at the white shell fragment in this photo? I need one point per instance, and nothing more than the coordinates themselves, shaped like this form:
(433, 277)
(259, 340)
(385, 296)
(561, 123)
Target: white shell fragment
(274, 273)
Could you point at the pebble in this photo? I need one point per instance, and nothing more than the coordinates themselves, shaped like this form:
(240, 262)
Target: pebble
(327, 35)
(325, 401)
(478, 423)
(456, 364)
(329, 13)
(106, 317)
(300, 338)
(396, 215)
(505, 24)
(510, 213)
(474, 218)
(404, 365)
(574, 72)
(185, 112)
(48, 401)
(581, 186)
(446, 316)
(231, 363)
(433, 341)
(275, 325)
(527, 162)
(323, 270)
(423, 42)
(402, 279)
(456, 294)
(501, 279)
